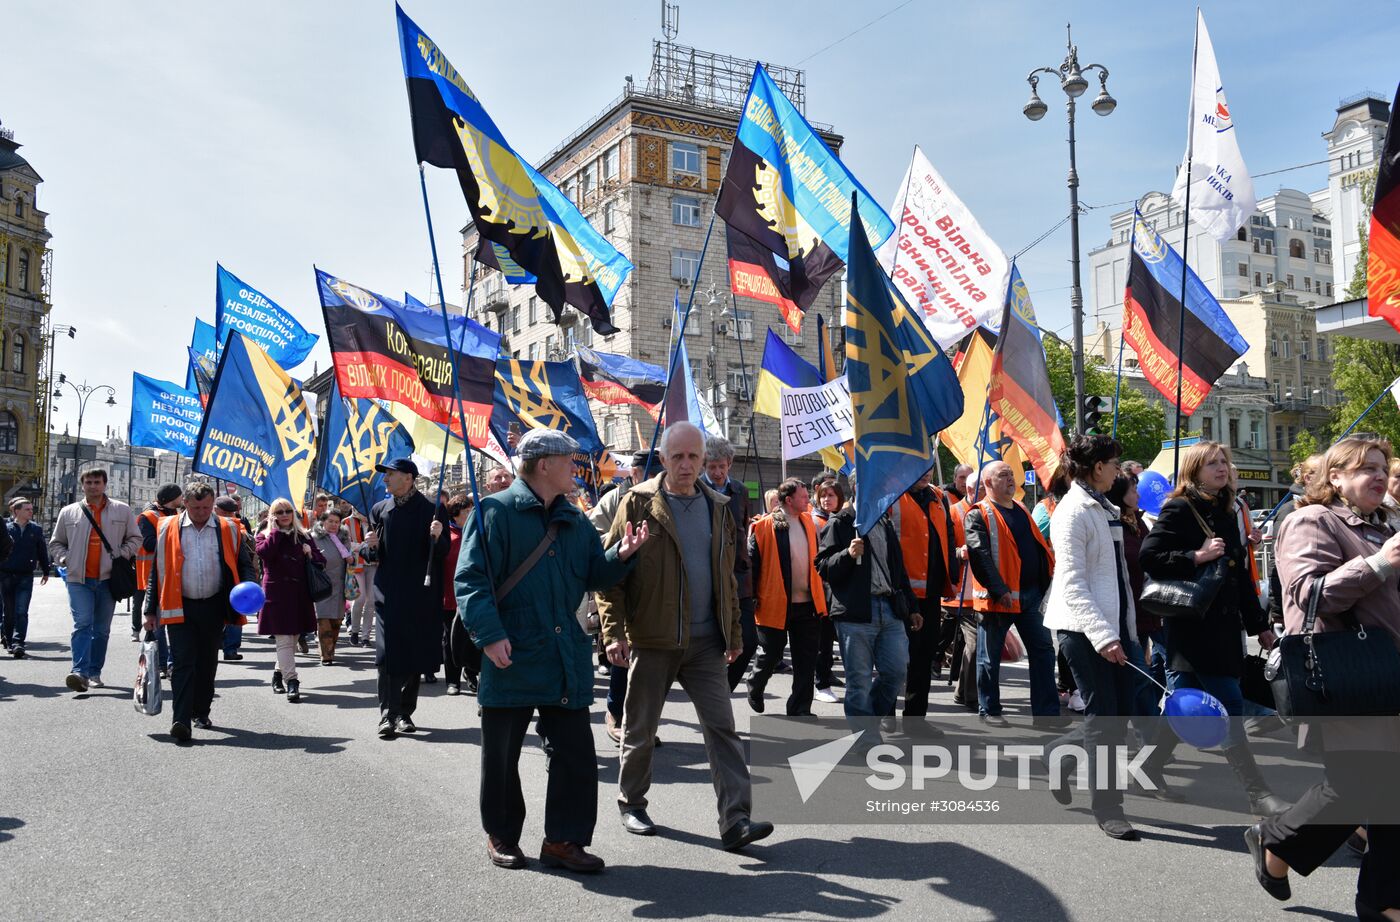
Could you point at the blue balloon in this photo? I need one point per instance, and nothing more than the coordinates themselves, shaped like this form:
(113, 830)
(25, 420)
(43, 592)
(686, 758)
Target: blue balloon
(1197, 717)
(247, 598)
(1152, 492)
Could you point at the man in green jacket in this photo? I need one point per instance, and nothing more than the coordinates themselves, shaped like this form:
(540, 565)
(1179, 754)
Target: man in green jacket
(517, 590)
(675, 617)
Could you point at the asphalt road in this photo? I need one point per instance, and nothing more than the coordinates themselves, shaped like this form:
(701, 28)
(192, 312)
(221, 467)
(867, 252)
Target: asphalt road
(299, 812)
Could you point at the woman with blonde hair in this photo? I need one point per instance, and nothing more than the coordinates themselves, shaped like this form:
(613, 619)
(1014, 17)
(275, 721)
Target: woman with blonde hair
(284, 546)
(1197, 525)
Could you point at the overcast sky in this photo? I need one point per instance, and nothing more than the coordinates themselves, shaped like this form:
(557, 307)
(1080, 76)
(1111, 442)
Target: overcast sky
(274, 135)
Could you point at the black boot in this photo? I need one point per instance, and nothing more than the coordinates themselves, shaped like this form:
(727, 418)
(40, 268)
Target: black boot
(1164, 743)
(277, 686)
(1262, 800)
(293, 690)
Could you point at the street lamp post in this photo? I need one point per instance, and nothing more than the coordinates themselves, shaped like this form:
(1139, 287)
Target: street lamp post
(84, 391)
(1071, 77)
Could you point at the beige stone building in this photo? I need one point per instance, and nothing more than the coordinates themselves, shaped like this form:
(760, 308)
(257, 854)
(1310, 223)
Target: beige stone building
(25, 262)
(646, 172)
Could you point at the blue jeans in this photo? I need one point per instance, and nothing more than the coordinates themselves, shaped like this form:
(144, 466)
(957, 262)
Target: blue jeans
(92, 606)
(1040, 650)
(1224, 687)
(880, 646)
(16, 589)
(233, 638)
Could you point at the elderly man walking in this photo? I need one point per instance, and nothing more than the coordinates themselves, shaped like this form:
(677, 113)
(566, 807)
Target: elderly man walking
(675, 617)
(87, 536)
(518, 586)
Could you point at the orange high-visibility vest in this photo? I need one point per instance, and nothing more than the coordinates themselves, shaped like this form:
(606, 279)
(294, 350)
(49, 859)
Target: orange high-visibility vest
(959, 538)
(146, 559)
(772, 595)
(1008, 558)
(914, 522)
(357, 536)
(170, 558)
(1247, 529)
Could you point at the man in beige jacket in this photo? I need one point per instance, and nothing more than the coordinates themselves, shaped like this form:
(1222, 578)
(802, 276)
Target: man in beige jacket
(76, 546)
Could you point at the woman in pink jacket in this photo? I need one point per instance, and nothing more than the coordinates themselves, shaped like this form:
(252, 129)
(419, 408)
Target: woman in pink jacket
(283, 547)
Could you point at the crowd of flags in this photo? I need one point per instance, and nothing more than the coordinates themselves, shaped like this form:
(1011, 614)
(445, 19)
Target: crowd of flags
(941, 339)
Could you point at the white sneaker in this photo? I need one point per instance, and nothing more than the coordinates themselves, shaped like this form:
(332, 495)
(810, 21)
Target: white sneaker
(95, 681)
(824, 694)
(1076, 703)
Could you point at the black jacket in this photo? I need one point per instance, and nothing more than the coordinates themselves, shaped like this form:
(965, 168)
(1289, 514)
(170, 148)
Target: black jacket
(984, 565)
(23, 548)
(408, 614)
(1212, 644)
(848, 579)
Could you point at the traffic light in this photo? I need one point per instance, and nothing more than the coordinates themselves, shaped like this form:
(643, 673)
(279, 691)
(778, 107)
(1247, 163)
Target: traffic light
(1095, 409)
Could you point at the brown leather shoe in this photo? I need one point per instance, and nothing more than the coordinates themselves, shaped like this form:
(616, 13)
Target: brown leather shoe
(614, 730)
(503, 855)
(570, 856)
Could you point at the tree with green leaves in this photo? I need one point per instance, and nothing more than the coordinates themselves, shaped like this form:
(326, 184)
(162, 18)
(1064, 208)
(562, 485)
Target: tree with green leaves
(1142, 426)
(1302, 447)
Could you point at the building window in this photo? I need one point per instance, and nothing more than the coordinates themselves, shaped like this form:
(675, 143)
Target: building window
(585, 182)
(19, 205)
(1273, 344)
(1241, 234)
(1322, 349)
(1296, 250)
(1256, 281)
(610, 217)
(1256, 244)
(743, 325)
(515, 318)
(1268, 248)
(685, 158)
(1244, 270)
(17, 353)
(1256, 432)
(685, 264)
(151, 469)
(4, 266)
(1279, 444)
(1307, 284)
(1234, 433)
(22, 271)
(9, 433)
(532, 351)
(1287, 343)
(1288, 279)
(612, 160)
(1268, 278)
(1329, 289)
(739, 384)
(685, 212)
(791, 338)
(532, 311)
(1208, 429)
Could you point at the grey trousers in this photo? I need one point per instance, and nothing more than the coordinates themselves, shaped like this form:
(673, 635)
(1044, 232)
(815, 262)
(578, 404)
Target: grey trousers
(704, 677)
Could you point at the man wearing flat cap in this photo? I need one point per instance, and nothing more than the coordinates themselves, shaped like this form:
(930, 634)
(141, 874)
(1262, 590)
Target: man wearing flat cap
(408, 543)
(526, 562)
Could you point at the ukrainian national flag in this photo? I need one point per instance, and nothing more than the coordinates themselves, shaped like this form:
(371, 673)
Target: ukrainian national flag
(1152, 322)
(780, 366)
(1383, 254)
(1020, 383)
(903, 388)
(527, 228)
(258, 430)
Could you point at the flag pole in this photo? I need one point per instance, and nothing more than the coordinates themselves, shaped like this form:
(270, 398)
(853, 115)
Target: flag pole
(679, 338)
(1185, 244)
(456, 391)
(461, 337)
(744, 371)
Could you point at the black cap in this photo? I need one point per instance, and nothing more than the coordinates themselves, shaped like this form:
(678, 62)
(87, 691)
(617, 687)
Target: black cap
(402, 465)
(639, 459)
(168, 493)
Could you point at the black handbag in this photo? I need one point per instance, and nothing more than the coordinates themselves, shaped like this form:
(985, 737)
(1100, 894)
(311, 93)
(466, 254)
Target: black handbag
(1186, 599)
(122, 581)
(1351, 673)
(317, 582)
(1254, 682)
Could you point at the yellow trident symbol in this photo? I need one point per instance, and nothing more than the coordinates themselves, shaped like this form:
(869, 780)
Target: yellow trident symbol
(534, 402)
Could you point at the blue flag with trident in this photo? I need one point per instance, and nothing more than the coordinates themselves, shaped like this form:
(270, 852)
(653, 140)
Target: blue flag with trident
(359, 434)
(903, 388)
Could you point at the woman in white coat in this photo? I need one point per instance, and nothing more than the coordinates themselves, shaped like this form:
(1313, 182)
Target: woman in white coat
(1090, 606)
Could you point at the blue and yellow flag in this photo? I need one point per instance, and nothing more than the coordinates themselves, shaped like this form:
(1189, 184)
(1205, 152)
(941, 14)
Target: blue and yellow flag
(204, 346)
(783, 367)
(257, 430)
(903, 389)
(528, 228)
(543, 395)
(359, 434)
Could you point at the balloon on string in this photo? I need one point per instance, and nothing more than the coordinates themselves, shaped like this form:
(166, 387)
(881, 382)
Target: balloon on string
(246, 598)
(1197, 717)
(1152, 492)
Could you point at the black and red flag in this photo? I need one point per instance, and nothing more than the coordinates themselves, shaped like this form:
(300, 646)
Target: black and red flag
(754, 273)
(618, 380)
(385, 350)
(1153, 318)
(1383, 259)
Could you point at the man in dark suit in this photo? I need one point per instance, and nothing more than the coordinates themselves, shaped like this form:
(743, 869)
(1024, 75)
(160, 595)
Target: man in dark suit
(407, 541)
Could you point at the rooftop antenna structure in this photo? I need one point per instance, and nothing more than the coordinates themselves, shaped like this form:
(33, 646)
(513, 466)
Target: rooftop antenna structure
(670, 20)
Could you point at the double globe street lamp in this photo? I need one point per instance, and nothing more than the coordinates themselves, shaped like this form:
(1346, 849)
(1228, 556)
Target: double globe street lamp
(1073, 82)
(84, 391)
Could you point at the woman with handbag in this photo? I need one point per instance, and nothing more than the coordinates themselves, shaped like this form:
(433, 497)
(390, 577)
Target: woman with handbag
(1339, 555)
(284, 547)
(1196, 548)
(333, 541)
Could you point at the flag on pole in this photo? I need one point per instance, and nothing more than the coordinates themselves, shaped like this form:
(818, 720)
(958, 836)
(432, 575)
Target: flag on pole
(1020, 383)
(977, 437)
(1152, 318)
(756, 272)
(1222, 194)
(239, 306)
(682, 400)
(785, 189)
(1383, 253)
(359, 434)
(164, 415)
(620, 380)
(204, 345)
(543, 395)
(903, 389)
(257, 431)
(527, 228)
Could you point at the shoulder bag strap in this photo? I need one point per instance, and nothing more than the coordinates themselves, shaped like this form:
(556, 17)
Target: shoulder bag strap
(1311, 617)
(93, 523)
(1210, 532)
(528, 563)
